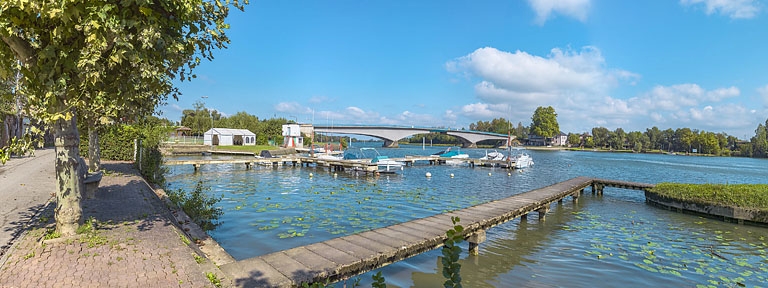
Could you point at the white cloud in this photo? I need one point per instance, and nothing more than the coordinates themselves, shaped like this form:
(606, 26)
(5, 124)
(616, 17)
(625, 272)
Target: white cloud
(485, 111)
(292, 107)
(680, 96)
(763, 93)
(523, 81)
(735, 9)
(574, 8)
(519, 76)
(319, 99)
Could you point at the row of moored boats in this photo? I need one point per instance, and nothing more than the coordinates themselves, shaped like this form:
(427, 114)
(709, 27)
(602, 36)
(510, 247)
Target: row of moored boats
(451, 155)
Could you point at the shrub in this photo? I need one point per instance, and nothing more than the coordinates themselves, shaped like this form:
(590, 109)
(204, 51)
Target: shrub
(198, 205)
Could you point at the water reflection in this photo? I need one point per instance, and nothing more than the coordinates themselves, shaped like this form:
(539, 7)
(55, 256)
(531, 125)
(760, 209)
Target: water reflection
(603, 241)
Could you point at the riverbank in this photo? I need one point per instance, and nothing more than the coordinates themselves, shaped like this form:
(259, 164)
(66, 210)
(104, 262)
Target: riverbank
(742, 203)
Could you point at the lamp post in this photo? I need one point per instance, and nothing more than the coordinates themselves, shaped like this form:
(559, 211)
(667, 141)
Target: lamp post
(210, 112)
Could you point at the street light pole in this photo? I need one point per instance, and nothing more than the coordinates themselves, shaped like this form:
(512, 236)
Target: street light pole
(210, 112)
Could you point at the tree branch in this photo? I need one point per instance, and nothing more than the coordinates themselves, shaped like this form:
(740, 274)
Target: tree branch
(23, 50)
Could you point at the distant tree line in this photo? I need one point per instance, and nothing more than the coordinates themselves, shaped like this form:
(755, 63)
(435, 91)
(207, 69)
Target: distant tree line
(201, 119)
(654, 139)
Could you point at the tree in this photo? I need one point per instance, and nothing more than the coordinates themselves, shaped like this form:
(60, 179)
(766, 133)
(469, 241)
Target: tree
(685, 137)
(589, 142)
(574, 139)
(654, 137)
(545, 122)
(635, 140)
(600, 136)
(70, 53)
(617, 138)
(760, 141)
(521, 132)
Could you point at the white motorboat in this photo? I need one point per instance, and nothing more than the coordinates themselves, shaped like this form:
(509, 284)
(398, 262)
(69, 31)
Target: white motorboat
(494, 155)
(383, 163)
(521, 159)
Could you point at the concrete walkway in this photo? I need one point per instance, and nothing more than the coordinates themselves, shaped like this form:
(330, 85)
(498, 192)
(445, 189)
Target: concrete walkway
(26, 185)
(134, 244)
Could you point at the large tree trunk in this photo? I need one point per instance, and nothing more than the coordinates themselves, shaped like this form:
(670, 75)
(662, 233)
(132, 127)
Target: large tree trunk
(68, 176)
(94, 150)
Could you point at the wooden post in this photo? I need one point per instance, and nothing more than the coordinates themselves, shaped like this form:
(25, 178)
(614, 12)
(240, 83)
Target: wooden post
(247, 165)
(197, 166)
(524, 217)
(575, 197)
(474, 242)
(543, 212)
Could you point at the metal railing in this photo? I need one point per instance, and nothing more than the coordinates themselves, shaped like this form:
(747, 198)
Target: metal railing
(192, 140)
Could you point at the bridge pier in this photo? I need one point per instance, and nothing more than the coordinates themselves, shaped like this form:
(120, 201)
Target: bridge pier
(390, 144)
(467, 144)
(474, 242)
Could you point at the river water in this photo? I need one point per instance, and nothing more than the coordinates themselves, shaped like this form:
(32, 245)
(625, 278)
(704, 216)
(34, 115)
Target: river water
(600, 241)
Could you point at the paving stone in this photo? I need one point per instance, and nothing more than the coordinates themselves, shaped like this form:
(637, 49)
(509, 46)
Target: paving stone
(123, 209)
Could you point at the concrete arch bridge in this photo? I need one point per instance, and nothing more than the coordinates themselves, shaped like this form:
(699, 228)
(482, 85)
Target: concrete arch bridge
(392, 134)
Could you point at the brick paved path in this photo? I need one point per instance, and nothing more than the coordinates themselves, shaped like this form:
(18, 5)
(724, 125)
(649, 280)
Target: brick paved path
(133, 244)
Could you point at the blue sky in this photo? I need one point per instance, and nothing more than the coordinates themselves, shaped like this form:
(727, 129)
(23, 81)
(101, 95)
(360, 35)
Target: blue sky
(701, 64)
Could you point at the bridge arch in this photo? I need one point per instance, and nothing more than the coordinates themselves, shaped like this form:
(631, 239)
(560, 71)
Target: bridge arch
(392, 134)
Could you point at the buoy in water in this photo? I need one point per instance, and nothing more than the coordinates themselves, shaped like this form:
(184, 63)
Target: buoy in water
(451, 175)
(428, 174)
(335, 175)
(310, 175)
(489, 173)
(509, 173)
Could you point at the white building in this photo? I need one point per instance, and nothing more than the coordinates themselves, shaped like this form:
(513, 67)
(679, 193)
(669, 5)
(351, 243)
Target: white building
(228, 137)
(292, 136)
(561, 139)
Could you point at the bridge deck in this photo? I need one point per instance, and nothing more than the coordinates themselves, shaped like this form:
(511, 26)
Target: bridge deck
(344, 257)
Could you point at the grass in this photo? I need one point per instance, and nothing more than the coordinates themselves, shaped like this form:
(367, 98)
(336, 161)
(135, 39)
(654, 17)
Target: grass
(751, 196)
(213, 278)
(199, 259)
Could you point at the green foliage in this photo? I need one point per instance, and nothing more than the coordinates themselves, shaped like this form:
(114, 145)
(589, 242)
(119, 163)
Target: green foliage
(315, 285)
(17, 147)
(198, 205)
(574, 139)
(752, 196)
(434, 138)
(343, 143)
(198, 259)
(497, 125)
(117, 143)
(213, 278)
(451, 253)
(378, 281)
(87, 227)
(51, 234)
(544, 122)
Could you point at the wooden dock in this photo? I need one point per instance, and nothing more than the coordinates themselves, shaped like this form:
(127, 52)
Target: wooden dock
(345, 257)
(334, 165)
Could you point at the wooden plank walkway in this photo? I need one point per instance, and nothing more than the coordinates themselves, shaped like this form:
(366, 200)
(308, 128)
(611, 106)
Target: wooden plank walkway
(289, 160)
(347, 256)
